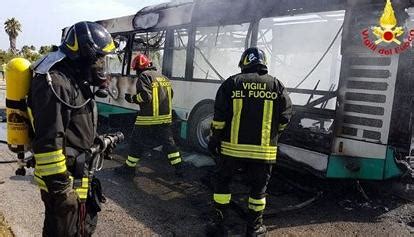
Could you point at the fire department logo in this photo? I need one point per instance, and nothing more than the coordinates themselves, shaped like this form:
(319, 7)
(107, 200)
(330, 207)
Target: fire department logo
(387, 36)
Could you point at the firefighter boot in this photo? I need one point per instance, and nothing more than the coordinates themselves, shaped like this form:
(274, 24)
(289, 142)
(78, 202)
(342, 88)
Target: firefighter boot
(255, 226)
(179, 170)
(217, 227)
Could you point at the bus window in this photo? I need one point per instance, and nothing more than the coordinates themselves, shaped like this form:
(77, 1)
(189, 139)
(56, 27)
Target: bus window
(295, 44)
(216, 49)
(115, 62)
(151, 44)
(179, 53)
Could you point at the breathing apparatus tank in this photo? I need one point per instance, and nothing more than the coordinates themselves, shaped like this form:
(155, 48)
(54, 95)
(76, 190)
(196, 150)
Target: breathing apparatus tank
(18, 75)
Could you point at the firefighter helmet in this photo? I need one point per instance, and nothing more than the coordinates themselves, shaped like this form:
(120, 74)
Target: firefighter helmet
(141, 62)
(251, 57)
(87, 41)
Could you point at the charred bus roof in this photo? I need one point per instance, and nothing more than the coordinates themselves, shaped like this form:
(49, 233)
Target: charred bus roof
(215, 12)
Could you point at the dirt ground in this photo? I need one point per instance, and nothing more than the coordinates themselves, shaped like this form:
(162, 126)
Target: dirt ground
(156, 203)
(4, 228)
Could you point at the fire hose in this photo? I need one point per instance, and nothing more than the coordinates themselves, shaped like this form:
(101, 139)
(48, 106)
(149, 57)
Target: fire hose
(100, 150)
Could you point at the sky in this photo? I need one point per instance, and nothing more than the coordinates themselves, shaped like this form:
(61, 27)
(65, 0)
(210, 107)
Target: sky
(43, 20)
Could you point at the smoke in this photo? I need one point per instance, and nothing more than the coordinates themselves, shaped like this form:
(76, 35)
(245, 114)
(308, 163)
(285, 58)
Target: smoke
(293, 44)
(296, 43)
(218, 50)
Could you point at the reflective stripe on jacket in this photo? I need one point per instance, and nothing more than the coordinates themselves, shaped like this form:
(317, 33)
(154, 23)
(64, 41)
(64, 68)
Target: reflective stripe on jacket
(154, 95)
(250, 112)
(57, 126)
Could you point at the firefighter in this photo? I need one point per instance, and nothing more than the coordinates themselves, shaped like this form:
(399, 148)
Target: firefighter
(64, 118)
(250, 112)
(153, 122)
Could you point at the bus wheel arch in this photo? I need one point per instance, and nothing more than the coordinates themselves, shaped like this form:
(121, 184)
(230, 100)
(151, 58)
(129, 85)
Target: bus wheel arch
(199, 124)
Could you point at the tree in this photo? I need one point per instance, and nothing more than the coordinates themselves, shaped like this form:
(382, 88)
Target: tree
(25, 49)
(5, 57)
(29, 53)
(12, 28)
(45, 49)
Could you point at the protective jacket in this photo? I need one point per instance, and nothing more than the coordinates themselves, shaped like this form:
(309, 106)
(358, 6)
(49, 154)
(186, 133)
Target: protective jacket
(250, 112)
(154, 96)
(60, 130)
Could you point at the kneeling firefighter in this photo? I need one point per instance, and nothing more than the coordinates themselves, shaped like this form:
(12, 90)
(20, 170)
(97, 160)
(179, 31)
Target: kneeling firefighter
(250, 112)
(64, 119)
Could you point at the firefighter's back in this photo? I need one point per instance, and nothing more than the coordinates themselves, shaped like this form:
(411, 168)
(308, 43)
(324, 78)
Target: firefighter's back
(254, 116)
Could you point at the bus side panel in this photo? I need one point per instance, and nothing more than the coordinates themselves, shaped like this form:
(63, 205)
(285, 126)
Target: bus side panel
(188, 94)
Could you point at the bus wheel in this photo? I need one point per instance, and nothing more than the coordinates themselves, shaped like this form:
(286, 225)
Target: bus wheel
(199, 127)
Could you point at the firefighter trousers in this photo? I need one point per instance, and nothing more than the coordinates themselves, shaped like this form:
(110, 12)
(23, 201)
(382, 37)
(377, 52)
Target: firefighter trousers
(257, 177)
(62, 216)
(145, 138)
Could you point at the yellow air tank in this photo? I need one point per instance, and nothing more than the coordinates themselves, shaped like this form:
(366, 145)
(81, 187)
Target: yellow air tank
(18, 76)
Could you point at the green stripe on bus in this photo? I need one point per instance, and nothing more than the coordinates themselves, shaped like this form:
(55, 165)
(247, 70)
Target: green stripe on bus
(356, 168)
(106, 109)
(363, 168)
(391, 168)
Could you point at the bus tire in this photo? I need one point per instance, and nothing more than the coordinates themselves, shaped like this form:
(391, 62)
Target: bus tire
(199, 126)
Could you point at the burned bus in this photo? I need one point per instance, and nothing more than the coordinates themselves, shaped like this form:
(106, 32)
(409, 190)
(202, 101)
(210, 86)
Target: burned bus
(352, 104)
